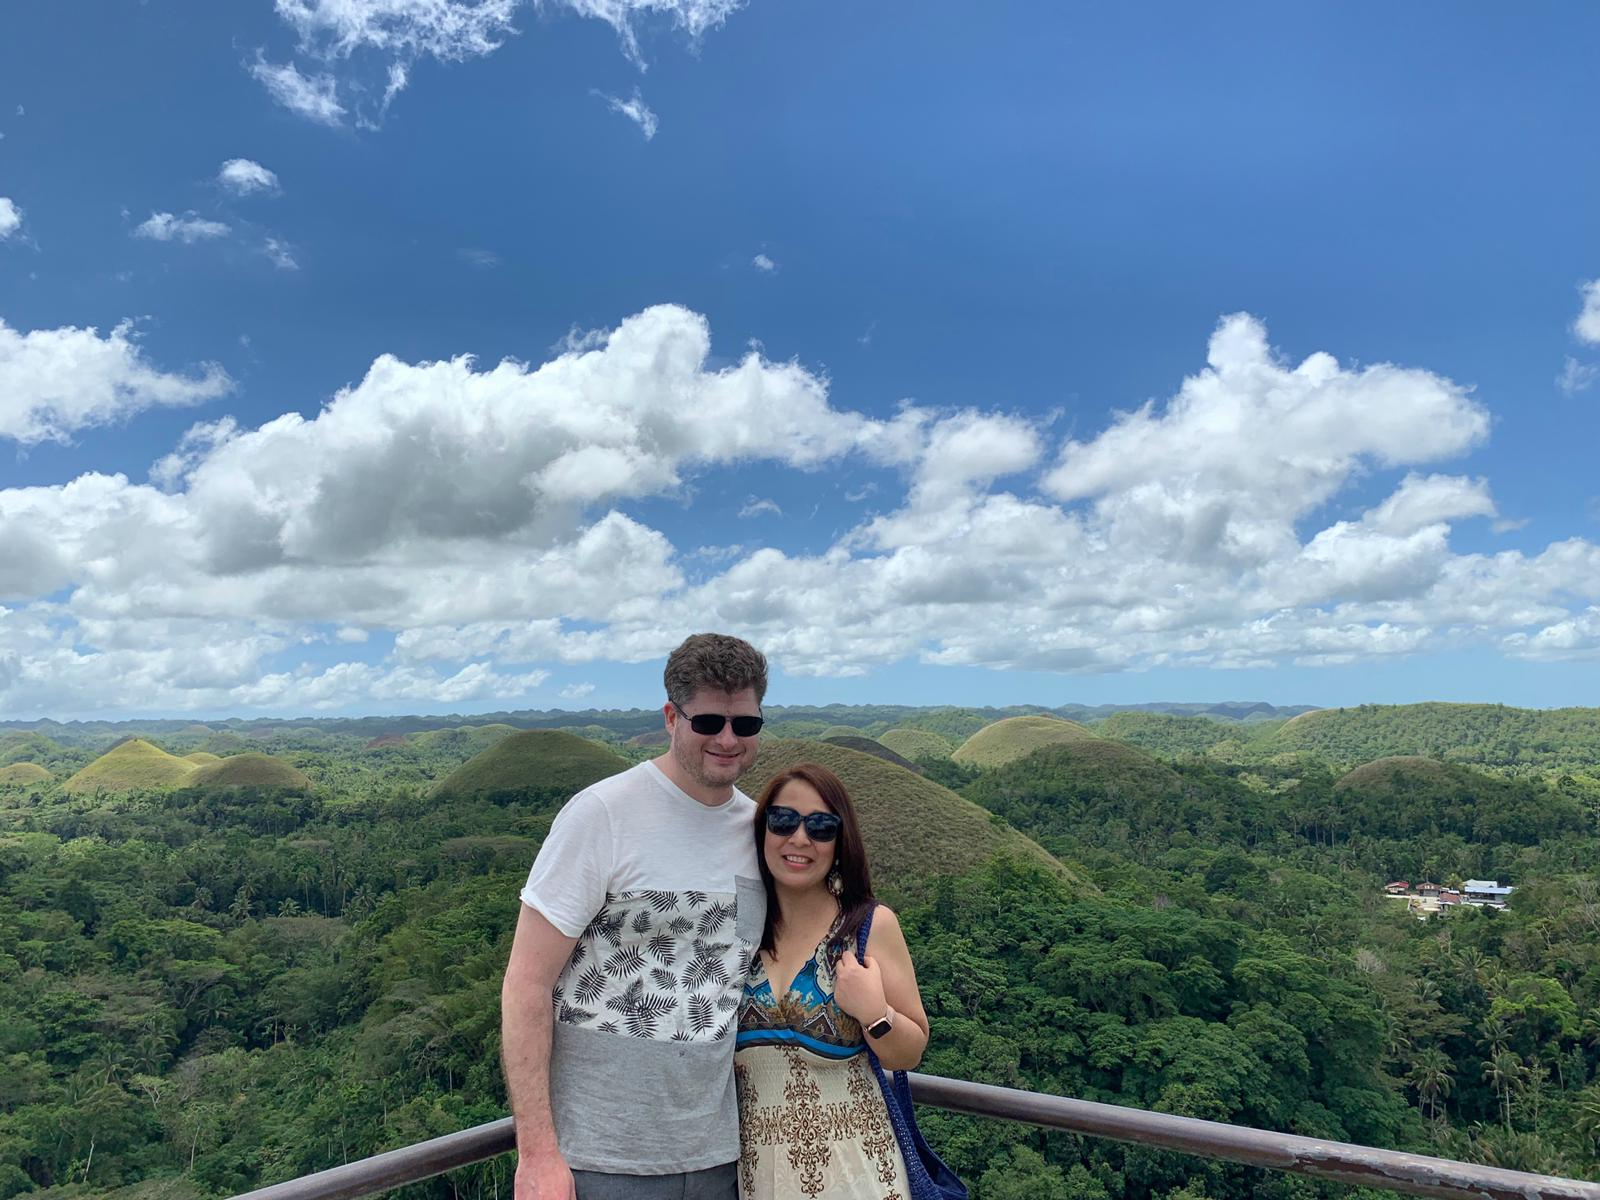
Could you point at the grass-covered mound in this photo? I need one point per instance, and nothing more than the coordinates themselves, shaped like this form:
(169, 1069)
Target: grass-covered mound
(468, 739)
(227, 742)
(833, 731)
(1105, 795)
(854, 741)
(260, 772)
(1017, 737)
(1407, 796)
(202, 758)
(23, 774)
(917, 745)
(17, 745)
(132, 766)
(1165, 734)
(1396, 774)
(539, 766)
(1492, 736)
(914, 829)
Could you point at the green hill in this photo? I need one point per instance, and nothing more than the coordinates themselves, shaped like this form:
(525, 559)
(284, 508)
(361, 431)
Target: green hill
(467, 739)
(134, 765)
(918, 745)
(1512, 740)
(202, 758)
(1101, 794)
(955, 725)
(866, 745)
(18, 745)
(227, 742)
(1017, 737)
(1408, 797)
(1161, 733)
(260, 771)
(532, 766)
(23, 774)
(833, 731)
(914, 829)
(1399, 773)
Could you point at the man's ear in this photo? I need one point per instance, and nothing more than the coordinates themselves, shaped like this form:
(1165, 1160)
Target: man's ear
(668, 713)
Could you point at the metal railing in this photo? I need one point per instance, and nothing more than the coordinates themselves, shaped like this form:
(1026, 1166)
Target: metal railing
(1340, 1162)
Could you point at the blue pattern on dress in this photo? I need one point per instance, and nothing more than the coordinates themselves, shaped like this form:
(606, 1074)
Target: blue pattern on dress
(806, 1017)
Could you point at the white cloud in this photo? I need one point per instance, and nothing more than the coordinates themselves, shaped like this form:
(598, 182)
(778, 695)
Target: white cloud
(489, 518)
(1587, 326)
(762, 263)
(281, 254)
(694, 17)
(189, 228)
(242, 177)
(1576, 377)
(54, 382)
(316, 97)
(1252, 444)
(449, 30)
(1576, 637)
(1422, 501)
(10, 217)
(400, 32)
(577, 691)
(636, 110)
(349, 683)
(479, 258)
(757, 508)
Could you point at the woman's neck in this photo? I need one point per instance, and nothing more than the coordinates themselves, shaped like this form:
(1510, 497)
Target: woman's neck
(808, 907)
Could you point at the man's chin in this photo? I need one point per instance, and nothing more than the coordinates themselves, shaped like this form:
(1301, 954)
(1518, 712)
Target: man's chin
(724, 771)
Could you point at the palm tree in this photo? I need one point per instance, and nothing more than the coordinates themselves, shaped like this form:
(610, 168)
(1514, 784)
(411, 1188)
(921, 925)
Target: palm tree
(1587, 1117)
(1475, 966)
(1504, 1073)
(1430, 1074)
(1493, 1034)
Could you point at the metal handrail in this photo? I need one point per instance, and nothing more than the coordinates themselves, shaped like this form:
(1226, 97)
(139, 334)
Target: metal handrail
(1341, 1162)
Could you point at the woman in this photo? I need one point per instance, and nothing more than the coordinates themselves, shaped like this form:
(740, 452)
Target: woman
(812, 1119)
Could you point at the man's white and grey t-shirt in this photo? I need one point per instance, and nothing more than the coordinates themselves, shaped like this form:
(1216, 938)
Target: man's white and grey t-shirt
(663, 894)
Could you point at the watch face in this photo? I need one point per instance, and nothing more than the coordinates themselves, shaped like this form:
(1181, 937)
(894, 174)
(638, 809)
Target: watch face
(879, 1027)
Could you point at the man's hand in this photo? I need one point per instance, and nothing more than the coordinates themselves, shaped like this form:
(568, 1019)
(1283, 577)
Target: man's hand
(543, 1177)
(858, 988)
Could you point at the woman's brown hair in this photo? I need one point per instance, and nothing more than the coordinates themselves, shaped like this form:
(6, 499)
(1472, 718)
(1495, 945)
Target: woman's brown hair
(850, 855)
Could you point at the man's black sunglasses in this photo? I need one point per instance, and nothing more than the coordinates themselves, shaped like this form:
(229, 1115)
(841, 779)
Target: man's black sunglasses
(710, 724)
(820, 826)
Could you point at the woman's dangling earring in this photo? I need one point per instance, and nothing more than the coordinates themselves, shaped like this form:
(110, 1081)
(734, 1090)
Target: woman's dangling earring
(835, 880)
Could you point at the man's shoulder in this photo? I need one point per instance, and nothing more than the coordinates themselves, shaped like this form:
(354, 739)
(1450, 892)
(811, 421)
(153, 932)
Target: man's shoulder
(619, 786)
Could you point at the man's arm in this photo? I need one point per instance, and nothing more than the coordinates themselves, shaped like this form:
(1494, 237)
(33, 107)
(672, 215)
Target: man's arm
(538, 952)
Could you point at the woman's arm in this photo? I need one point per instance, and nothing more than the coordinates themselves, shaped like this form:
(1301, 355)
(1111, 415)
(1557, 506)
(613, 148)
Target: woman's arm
(887, 980)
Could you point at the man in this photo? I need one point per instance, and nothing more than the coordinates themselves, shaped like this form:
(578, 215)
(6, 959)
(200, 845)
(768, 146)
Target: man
(637, 923)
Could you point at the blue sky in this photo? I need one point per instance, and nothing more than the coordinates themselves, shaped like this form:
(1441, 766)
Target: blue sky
(1026, 353)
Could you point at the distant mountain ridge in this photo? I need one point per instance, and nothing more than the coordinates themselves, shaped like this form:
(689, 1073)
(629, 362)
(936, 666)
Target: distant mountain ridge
(626, 722)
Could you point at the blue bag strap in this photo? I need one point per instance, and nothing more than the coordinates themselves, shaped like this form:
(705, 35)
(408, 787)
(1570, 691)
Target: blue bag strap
(862, 934)
(926, 1173)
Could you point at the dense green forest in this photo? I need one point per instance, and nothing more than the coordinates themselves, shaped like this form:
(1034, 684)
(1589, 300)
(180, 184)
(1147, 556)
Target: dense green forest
(206, 986)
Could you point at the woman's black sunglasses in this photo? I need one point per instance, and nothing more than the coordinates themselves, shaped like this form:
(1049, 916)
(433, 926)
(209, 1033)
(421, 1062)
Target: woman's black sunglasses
(710, 724)
(820, 826)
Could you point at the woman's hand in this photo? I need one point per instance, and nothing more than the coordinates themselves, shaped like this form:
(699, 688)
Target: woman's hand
(858, 988)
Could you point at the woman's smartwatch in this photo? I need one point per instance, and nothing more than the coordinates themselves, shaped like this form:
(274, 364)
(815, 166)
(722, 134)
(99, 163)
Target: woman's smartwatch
(882, 1025)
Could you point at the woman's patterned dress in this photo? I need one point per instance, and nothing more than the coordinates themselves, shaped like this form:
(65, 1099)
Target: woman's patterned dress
(812, 1120)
